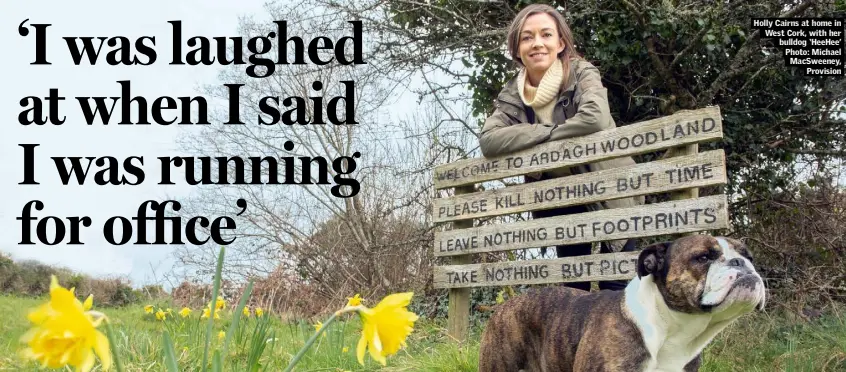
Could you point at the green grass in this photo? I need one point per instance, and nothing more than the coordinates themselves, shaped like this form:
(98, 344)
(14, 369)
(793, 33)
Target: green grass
(760, 342)
(767, 342)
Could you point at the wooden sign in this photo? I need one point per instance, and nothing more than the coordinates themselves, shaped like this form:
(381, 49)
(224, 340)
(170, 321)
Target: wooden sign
(679, 129)
(698, 170)
(609, 266)
(681, 216)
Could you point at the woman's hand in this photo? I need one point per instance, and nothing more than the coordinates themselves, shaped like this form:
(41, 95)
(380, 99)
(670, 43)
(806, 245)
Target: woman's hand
(503, 134)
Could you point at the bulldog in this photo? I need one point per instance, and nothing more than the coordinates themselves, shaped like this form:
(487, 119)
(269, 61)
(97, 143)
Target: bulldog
(684, 294)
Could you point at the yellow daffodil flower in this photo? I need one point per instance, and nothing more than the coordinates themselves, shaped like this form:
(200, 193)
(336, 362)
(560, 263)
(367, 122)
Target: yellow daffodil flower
(259, 311)
(220, 303)
(184, 312)
(354, 301)
(345, 349)
(221, 335)
(386, 327)
(65, 332)
(207, 312)
(246, 311)
(161, 315)
(317, 327)
(148, 309)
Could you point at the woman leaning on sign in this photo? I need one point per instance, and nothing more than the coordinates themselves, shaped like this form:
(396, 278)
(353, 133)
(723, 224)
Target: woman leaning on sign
(556, 95)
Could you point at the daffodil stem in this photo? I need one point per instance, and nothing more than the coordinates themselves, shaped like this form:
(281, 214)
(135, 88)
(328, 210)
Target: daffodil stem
(113, 347)
(213, 306)
(317, 334)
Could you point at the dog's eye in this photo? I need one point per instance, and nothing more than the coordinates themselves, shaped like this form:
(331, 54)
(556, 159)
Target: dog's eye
(704, 258)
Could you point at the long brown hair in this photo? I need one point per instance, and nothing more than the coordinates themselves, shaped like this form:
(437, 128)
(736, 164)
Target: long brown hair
(564, 32)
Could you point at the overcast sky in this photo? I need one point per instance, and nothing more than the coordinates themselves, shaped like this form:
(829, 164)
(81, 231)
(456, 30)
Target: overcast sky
(75, 138)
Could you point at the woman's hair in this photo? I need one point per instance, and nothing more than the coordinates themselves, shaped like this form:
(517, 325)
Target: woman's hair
(563, 31)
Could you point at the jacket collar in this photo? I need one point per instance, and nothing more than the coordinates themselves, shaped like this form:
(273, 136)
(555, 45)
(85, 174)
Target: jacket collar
(511, 95)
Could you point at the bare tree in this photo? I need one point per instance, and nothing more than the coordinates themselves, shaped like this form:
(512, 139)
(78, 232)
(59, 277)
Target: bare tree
(370, 242)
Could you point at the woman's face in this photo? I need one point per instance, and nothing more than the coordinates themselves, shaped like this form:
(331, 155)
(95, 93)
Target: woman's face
(539, 43)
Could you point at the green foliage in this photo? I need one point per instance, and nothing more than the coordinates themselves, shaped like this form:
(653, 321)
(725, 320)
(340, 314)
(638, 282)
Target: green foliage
(152, 291)
(482, 300)
(76, 281)
(27, 278)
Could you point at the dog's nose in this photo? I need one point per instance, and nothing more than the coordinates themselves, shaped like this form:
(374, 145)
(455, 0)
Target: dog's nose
(736, 262)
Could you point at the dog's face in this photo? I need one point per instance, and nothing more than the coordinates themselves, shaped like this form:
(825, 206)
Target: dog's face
(702, 273)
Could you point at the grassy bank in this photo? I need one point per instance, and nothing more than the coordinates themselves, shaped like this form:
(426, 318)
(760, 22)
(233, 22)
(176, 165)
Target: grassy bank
(760, 342)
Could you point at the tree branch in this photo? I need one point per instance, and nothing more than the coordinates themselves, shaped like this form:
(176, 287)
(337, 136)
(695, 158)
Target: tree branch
(838, 153)
(684, 97)
(693, 42)
(742, 56)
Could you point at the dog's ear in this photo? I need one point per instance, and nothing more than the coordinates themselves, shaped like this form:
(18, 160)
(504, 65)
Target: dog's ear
(652, 259)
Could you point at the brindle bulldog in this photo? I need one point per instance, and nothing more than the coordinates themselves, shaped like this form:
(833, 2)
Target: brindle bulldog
(685, 293)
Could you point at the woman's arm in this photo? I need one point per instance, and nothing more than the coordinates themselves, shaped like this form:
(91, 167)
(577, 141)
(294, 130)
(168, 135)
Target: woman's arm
(502, 134)
(593, 114)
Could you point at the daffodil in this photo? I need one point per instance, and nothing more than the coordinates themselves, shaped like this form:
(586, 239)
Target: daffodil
(207, 312)
(385, 327)
(161, 315)
(220, 303)
(317, 328)
(65, 332)
(221, 335)
(246, 311)
(259, 311)
(354, 301)
(345, 349)
(148, 309)
(184, 312)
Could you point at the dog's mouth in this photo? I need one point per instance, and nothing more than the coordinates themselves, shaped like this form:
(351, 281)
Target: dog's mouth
(746, 282)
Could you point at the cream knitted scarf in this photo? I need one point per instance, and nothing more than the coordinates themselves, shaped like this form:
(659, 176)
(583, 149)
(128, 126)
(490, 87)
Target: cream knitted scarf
(542, 98)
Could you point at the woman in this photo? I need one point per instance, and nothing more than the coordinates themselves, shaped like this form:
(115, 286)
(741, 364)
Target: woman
(556, 95)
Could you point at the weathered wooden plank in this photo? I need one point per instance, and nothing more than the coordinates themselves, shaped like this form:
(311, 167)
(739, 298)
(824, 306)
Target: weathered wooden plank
(672, 217)
(597, 267)
(677, 173)
(692, 192)
(458, 310)
(682, 128)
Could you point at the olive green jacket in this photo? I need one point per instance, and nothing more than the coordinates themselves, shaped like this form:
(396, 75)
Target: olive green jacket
(581, 109)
